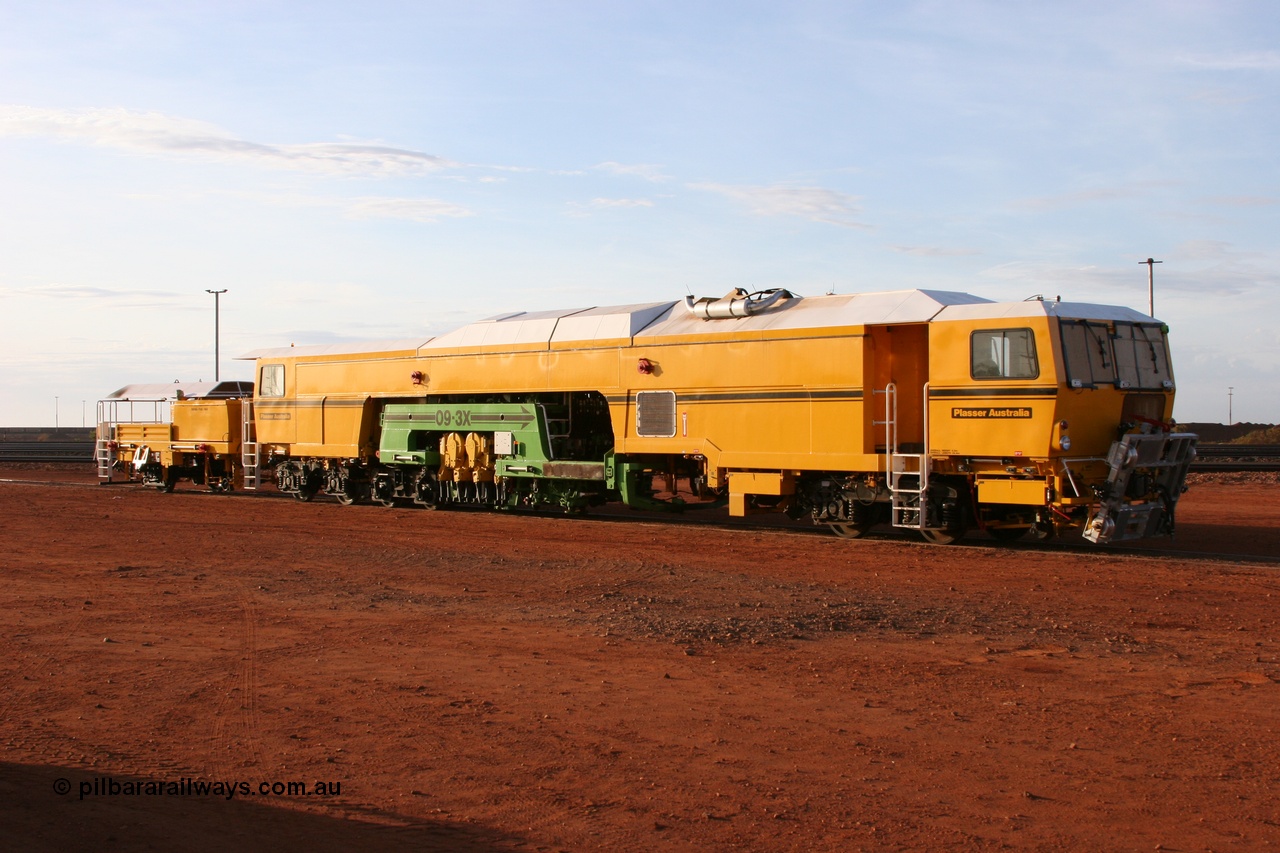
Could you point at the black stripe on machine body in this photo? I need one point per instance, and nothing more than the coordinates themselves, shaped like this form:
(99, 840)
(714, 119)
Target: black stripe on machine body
(846, 395)
(330, 403)
(965, 393)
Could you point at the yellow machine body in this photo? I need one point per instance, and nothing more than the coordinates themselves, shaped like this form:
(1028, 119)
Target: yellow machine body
(758, 401)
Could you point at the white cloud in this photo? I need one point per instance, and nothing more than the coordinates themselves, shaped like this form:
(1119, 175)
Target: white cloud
(1085, 197)
(1256, 61)
(1242, 200)
(1221, 97)
(153, 133)
(648, 171)
(365, 207)
(82, 292)
(412, 209)
(620, 202)
(818, 204)
(934, 251)
(583, 209)
(1192, 269)
(1204, 250)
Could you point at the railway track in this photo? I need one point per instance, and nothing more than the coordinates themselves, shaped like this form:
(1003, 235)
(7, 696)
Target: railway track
(46, 451)
(1210, 458)
(780, 525)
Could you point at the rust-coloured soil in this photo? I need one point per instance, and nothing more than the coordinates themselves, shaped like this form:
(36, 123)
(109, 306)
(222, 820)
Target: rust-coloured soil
(486, 681)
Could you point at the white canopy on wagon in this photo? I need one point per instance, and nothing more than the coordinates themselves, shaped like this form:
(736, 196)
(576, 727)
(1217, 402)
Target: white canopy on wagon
(179, 390)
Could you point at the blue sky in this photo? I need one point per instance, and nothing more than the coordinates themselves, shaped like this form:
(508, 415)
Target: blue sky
(385, 170)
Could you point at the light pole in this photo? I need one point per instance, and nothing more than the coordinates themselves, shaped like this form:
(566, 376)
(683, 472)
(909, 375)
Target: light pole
(1230, 390)
(1151, 284)
(55, 412)
(216, 331)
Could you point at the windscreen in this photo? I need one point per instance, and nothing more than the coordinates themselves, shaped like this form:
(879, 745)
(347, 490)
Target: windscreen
(1124, 355)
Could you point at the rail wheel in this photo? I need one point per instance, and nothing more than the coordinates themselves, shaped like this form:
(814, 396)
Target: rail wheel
(855, 530)
(382, 491)
(942, 537)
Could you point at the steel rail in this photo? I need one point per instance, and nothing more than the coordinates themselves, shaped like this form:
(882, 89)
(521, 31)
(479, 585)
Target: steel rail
(46, 451)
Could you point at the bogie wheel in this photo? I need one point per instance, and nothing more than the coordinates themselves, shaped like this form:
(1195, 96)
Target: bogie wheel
(942, 537)
(345, 498)
(850, 531)
(304, 495)
(1041, 532)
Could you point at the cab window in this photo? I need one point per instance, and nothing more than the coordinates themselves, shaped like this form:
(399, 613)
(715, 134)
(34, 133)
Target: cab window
(1126, 355)
(1003, 354)
(271, 380)
(1090, 358)
(1142, 356)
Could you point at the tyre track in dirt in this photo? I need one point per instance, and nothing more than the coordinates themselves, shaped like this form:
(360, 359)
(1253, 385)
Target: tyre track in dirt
(233, 726)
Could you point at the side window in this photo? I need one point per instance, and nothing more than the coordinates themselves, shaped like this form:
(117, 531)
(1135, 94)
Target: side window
(1003, 354)
(271, 380)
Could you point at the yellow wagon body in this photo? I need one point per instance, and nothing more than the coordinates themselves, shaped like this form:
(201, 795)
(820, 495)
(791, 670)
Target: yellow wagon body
(161, 434)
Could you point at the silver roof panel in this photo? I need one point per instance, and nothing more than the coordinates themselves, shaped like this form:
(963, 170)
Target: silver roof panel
(547, 327)
(190, 390)
(348, 348)
(1046, 308)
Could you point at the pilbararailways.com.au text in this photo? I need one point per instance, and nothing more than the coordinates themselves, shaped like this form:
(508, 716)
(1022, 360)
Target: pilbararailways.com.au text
(106, 786)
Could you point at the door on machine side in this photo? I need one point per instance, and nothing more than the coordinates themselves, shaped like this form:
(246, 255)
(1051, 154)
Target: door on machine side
(898, 355)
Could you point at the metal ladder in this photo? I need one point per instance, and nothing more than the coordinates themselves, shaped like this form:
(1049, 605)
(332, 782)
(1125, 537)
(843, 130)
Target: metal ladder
(249, 457)
(104, 453)
(907, 502)
(105, 457)
(556, 427)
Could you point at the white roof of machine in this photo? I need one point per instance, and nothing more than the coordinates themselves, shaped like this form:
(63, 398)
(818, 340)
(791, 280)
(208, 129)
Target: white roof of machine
(816, 312)
(1043, 308)
(348, 348)
(525, 327)
(546, 327)
(664, 319)
(595, 324)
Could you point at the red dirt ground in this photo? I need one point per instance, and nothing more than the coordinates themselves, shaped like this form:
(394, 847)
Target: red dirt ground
(480, 681)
